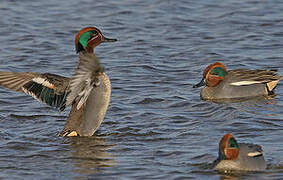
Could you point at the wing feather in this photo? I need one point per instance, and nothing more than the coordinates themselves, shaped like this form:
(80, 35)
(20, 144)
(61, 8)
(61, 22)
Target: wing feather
(15, 80)
(247, 77)
(84, 79)
(48, 88)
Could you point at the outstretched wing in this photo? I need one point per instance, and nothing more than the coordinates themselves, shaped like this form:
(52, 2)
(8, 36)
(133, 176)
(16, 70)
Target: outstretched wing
(84, 79)
(47, 88)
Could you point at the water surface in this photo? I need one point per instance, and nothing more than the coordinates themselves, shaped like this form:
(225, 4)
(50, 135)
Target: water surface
(156, 127)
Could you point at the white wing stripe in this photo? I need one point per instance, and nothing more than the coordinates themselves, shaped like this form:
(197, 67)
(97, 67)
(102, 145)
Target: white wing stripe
(242, 83)
(43, 82)
(253, 154)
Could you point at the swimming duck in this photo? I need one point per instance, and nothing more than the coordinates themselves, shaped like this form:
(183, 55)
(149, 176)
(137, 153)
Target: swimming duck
(221, 83)
(88, 90)
(239, 156)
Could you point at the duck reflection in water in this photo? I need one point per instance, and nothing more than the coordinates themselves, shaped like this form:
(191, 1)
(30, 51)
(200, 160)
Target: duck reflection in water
(91, 155)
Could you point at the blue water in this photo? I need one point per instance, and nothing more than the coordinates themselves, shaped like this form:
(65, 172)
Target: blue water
(157, 127)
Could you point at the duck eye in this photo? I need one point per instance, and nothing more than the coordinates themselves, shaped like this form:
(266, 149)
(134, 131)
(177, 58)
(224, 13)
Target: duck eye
(213, 73)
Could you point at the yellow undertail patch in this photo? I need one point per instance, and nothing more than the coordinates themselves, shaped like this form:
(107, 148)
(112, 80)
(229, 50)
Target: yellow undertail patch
(271, 85)
(73, 133)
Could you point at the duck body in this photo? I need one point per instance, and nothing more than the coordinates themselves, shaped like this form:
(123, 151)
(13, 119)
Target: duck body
(245, 162)
(99, 97)
(239, 157)
(231, 87)
(237, 84)
(88, 91)
(87, 119)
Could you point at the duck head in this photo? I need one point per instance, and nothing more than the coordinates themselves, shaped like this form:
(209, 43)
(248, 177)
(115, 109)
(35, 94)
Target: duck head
(228, 148)
(88, 38)
(212, 75)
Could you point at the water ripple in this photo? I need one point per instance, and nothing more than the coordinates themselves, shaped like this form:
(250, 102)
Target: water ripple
(157, 127)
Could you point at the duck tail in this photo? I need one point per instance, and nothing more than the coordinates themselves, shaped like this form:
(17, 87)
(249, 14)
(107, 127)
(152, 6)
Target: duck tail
(270, 86)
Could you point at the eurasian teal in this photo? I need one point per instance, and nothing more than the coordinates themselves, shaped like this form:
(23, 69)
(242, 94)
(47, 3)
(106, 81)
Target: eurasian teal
(221, 83)
(88, 90)
(239, 156)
